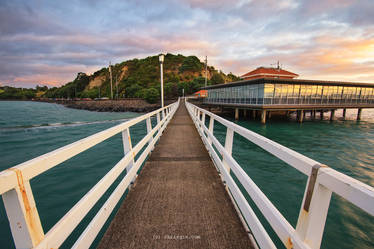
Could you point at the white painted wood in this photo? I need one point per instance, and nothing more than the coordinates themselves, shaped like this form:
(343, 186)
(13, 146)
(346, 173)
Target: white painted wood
(293, 158)
(228, 147)
(19, 202)
(356, 192)
(91, 231)
(211, 128)
(42, 163)
(280, 225)
(255, 225)
(310, 225)
(127, 147)
(23, 216)
(149, 128)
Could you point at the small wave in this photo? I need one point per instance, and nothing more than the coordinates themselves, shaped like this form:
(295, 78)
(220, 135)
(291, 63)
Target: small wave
(57, 125)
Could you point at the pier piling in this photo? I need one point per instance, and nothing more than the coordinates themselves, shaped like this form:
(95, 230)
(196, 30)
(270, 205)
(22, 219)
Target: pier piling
(332, 115)
(301, 115)
(263, 117)
(359, 113)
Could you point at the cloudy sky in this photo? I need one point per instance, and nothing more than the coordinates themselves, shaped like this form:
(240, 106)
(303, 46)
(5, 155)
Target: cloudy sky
(48, 42)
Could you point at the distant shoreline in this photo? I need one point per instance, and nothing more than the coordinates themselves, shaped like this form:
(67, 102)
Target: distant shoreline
(122, 105)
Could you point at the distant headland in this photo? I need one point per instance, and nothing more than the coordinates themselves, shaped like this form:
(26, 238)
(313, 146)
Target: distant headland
(135, 82)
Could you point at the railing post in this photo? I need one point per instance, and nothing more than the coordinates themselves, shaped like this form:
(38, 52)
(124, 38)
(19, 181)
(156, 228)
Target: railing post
(211, 127)
(313, 212)
(203, 119)
(158, 118)
(127, 147)
(24, 221)
(228, 146)
(149, 129)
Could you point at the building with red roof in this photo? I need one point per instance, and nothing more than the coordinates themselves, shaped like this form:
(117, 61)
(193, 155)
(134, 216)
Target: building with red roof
(269, 72)
(201, 94)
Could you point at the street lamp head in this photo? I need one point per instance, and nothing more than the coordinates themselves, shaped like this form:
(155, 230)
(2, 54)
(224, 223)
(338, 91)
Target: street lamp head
(161, 58)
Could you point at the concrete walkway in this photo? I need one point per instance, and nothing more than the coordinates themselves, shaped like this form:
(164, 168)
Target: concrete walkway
(178, 200)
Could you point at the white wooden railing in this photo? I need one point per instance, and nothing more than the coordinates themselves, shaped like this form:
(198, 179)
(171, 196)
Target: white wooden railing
(322, 181)
(19, 202)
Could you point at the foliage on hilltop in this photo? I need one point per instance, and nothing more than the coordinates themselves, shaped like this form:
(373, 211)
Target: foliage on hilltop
(140, 78)
(10, 93)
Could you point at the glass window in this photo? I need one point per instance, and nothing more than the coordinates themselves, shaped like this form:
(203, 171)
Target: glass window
(269, 90)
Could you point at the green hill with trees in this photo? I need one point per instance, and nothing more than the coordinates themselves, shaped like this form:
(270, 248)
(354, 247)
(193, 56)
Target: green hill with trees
(140, 78)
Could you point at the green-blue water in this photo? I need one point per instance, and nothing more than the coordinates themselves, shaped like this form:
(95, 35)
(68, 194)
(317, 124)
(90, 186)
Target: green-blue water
(29, 129)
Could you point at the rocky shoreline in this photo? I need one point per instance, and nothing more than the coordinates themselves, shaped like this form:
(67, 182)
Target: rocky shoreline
(123, 105)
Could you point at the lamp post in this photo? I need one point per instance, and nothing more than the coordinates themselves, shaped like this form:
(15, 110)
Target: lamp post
(161, 58)
(111, 80)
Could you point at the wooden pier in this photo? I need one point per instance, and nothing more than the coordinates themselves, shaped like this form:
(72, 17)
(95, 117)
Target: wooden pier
(178, 200)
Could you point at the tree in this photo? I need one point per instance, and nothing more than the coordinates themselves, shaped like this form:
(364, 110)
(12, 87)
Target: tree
(217, 79)
(132, 90)
(92, 93)
(152, 95)
(233, 77)
(191, 64)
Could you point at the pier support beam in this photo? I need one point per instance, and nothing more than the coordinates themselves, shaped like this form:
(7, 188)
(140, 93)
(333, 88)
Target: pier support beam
(236, 113)
(359, 113)
(245, 113)
(344, 113)
(332, 115)
(254, 114)
(300, 115)
(321, 114)
(263, 117)
(314, 114)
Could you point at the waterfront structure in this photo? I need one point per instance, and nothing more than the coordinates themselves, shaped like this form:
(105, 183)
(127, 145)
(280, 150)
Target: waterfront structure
(183, 193)
(275, 94)
(269, 72)
(201, 94)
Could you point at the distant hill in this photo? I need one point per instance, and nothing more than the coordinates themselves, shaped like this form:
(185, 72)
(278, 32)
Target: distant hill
(140, 78)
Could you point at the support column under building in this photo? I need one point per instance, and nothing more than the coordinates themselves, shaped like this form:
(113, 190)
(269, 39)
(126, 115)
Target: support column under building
(245, 113)
(263, 117)
(321, 115)
(314, 114)
(332, 115)
(359, 113)
(344, 113)
(236, 113)
(254, 114)
(300, 116)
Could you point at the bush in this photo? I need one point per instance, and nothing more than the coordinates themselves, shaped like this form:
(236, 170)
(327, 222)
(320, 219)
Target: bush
(191, 64)
(152, 95)
(92, 93)
(217, 79)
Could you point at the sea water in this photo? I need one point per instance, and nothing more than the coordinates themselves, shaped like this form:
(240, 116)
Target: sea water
(30, 129)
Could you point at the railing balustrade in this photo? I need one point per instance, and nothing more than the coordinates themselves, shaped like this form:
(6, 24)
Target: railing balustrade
(322, 182)
(19, 201)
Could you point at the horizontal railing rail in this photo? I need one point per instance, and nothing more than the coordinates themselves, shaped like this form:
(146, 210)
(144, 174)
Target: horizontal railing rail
(19, 202)
(322, 182)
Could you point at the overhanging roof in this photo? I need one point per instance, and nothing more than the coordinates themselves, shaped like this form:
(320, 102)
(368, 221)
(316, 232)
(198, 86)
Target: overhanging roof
(289, 81)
